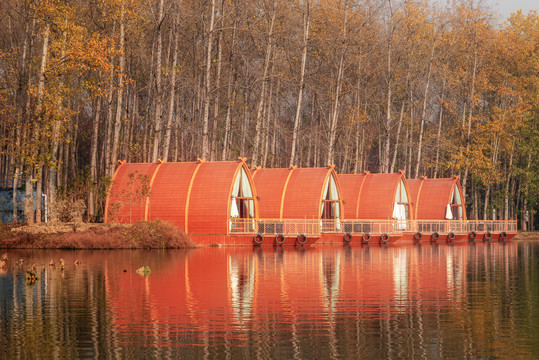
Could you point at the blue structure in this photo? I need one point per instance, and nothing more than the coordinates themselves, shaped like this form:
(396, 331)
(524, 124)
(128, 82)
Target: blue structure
(6, 205)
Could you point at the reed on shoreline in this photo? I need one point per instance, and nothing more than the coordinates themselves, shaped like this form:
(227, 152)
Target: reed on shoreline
(142, 235)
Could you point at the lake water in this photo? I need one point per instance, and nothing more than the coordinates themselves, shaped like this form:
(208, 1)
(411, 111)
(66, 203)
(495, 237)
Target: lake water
(428, 301)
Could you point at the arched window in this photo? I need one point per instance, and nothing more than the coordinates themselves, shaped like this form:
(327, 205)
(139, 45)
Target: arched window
(242, 204)
(330, 203)
(456, 204)
(401, 210)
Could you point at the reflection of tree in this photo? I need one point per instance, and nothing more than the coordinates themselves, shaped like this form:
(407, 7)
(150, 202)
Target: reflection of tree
(64, 315)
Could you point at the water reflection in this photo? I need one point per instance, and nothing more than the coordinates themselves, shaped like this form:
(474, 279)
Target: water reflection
(423, 301)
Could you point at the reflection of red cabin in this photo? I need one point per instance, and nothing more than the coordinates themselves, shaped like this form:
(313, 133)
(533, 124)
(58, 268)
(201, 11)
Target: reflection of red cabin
(431, 198)
(376, 196)
(205, 296)
(197, 197)
(194, 288)
(371, 279)
(296, 193)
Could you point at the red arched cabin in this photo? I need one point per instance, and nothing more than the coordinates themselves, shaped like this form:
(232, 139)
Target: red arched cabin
(212, 202)
(302, 201)
(439, 204)
(376, 204)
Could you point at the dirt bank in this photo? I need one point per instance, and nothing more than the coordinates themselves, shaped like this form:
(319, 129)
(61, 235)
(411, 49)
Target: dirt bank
(142, 235)
(527, 235)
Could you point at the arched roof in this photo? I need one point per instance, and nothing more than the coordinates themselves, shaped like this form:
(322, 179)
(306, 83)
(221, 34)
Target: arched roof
(431, 197)
(193, 196)
(293, 193)
(371, 196)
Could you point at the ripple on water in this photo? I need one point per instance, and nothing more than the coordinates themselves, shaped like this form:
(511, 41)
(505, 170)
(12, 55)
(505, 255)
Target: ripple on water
(460, 301)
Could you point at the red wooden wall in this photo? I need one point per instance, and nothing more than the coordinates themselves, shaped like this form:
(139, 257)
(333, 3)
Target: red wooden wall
(170, 191)
(270, 184)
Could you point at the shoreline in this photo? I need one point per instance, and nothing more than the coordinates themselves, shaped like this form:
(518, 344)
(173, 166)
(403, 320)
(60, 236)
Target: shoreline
(93, 236)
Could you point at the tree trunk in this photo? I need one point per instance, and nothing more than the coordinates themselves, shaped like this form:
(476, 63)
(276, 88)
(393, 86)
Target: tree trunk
(177, 141)
(170, 114)
(424, 110)
(214, 137)
(526, 189)
(267, 60)
(357, 154)
(107, 160)
(335, 110)
(363, 157)
(469, 130)
(24, 104)
(28, 209)
(274, 143)
(439, 134)
(475, 202)
(268, 117)
(230, 95)
(15, 193)
(306, 25)
(487, 192)
(93, 162)
(157, 137)
(394, 160)
(485, 208)
(207, 87)
(118, 120)
(133, 120)
(244, 124)
(507, 182)
(28, 199)
(51, 184)
(359, 117)
(384, 153)
(513, 207)
(39, 192)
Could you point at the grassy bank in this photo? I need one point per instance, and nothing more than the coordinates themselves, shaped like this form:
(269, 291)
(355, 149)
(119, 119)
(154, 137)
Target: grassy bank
(142, 235)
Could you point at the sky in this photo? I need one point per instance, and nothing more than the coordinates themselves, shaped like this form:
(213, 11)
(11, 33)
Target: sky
(506, 7)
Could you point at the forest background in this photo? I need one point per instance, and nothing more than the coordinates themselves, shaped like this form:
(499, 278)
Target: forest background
(434, 89)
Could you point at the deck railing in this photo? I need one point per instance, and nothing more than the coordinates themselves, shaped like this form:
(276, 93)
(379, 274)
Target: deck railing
(317, 227)
(275, 226)
(441, 226)
(243, 226)
(491, 225)
(373, 226)
(463, 226)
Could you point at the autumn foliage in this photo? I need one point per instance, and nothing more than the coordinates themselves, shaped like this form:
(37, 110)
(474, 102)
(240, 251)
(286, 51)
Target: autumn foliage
(434, 89)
